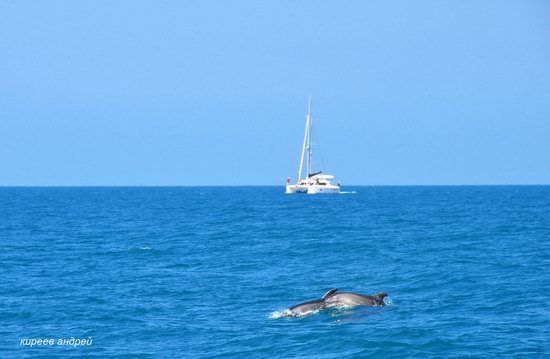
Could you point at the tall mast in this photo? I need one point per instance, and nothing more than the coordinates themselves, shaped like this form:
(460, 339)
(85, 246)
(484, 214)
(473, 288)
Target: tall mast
(309, 137)
(304, 144)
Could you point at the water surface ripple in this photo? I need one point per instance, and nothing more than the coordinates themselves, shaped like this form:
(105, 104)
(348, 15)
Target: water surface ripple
(200, 271)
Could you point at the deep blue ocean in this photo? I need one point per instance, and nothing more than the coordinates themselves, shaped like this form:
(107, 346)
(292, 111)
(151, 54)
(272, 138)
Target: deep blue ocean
(194, 272)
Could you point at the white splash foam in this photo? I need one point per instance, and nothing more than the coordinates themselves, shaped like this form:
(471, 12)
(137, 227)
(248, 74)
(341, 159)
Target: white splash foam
(145, 248)
(279, 314)
(286, 313)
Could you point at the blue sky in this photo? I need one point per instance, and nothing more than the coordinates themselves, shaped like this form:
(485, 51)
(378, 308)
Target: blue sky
(215, 92)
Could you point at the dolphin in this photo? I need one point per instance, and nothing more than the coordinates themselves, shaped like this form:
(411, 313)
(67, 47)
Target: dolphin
(333, 299)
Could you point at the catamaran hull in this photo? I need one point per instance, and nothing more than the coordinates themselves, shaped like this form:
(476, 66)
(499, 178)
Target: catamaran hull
(323, 189)
(296, 189)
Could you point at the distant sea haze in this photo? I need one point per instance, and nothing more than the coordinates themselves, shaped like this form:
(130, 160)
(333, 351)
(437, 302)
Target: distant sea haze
(203, 271)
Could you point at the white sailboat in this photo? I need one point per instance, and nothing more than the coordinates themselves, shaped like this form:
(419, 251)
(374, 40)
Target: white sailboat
(316, 182)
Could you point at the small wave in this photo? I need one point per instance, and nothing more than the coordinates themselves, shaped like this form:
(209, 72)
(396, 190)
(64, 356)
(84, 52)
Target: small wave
(145, 248)
(348, 192)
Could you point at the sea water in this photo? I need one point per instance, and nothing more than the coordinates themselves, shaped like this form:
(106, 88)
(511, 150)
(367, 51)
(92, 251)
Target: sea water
(193, 272)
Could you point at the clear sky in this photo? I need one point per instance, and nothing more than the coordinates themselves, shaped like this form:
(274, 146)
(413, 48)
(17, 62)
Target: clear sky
(215, 92)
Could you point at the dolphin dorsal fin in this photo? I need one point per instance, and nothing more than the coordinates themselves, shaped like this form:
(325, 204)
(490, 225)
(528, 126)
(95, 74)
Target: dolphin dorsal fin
(329, 293)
